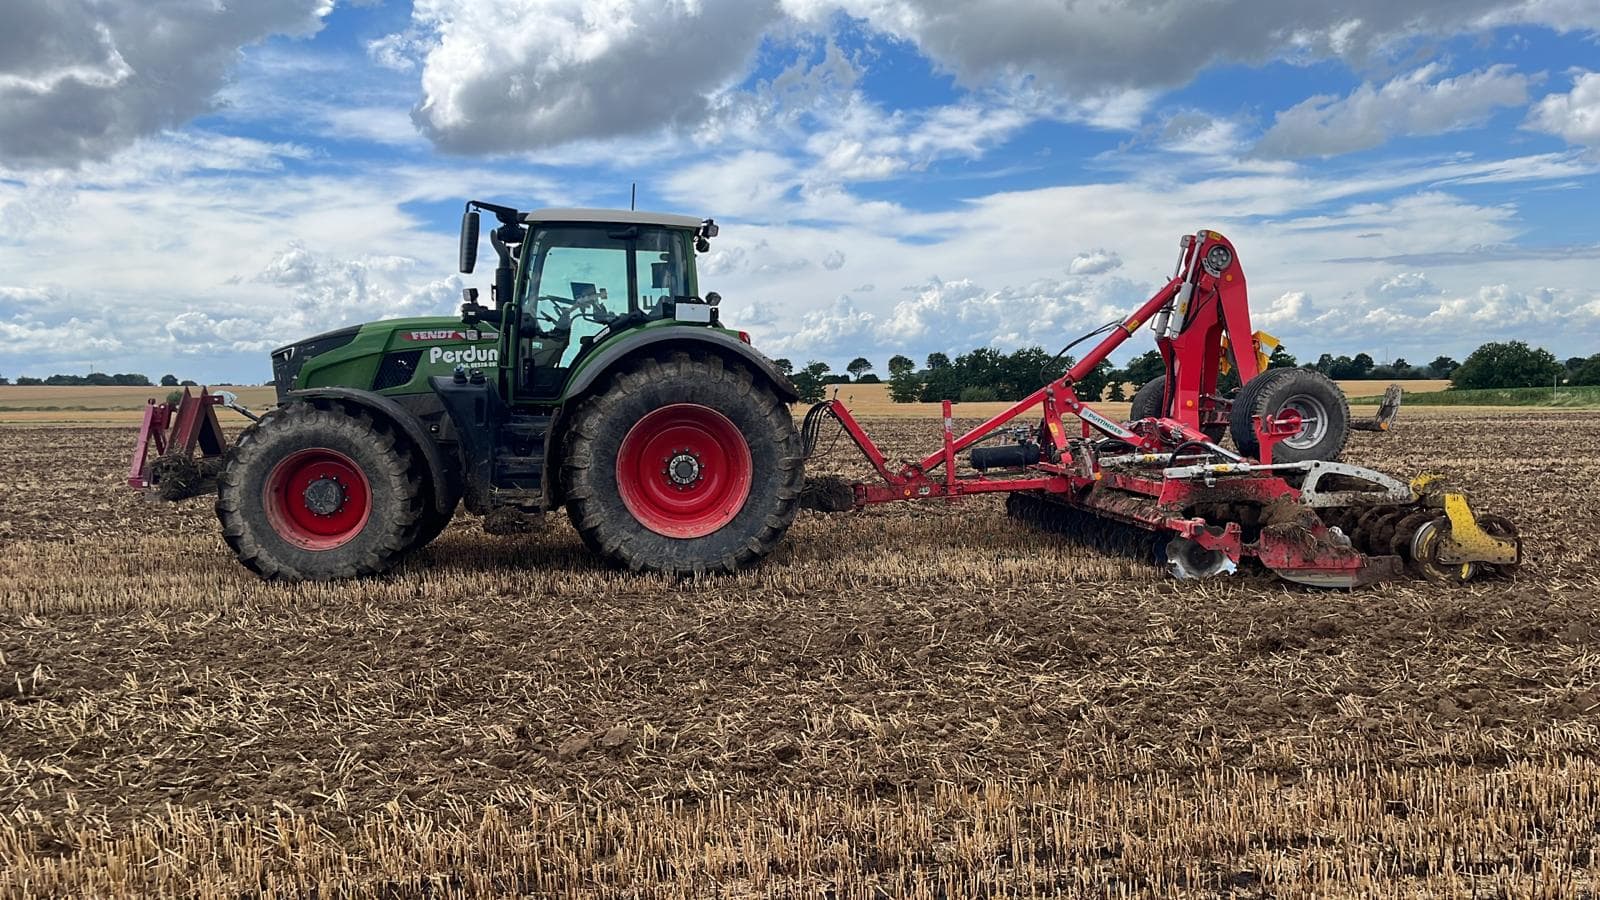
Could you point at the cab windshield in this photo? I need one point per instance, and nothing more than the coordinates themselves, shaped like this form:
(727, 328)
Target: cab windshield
(585, 277)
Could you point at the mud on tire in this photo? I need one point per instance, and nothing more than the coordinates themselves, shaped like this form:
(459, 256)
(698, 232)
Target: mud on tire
(259, 523)
(596, 476)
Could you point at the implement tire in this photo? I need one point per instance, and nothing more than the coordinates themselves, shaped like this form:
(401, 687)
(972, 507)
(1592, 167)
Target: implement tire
(1147, 405)
(1147, 399)
(683, 465)
(316, 494)
(1311, 394)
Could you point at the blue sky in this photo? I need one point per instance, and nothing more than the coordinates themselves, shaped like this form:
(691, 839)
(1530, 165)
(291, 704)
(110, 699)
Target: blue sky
(185, 185)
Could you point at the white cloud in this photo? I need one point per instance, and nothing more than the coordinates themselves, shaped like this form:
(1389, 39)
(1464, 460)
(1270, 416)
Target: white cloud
(399, 52)
(1575, 115)
(81, 79)
(821, 332)
(329, 292)
(1094, 262)
(1406, 284)
(525, 74)
(1417, 103)
(1087, 47)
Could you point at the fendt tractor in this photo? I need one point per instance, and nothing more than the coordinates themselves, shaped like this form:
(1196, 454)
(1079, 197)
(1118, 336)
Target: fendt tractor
(599, 378)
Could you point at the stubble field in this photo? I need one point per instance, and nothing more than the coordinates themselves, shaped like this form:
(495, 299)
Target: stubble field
(921, 700)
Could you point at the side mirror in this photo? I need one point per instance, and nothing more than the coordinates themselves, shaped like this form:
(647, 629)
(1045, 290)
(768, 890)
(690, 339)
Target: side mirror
(659, 273)
(469, 241)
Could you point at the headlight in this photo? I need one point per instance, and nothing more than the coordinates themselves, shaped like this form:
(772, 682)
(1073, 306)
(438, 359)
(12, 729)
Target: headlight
(1217, 259)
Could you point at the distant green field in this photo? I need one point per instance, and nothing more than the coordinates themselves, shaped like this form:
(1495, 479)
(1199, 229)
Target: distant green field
(1587, 396)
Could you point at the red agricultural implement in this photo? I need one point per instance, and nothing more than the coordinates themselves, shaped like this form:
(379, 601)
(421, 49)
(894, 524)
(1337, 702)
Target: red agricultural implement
(1162, 485)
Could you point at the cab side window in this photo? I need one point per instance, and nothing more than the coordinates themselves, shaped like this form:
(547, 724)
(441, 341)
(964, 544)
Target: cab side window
(661, 276)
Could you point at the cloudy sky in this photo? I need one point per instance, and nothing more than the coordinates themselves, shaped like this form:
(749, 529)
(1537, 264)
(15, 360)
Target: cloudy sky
(185, 184)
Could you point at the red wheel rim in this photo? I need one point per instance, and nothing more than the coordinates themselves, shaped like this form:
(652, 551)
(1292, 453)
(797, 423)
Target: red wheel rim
(318, 499)
(684, 470)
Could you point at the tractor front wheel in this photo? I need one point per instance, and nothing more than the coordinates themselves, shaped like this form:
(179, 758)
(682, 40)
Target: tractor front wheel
(684, 465)
(317, 494)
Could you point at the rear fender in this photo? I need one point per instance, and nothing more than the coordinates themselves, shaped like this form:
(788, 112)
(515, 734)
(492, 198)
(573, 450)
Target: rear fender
(684, 338)
(446, 481)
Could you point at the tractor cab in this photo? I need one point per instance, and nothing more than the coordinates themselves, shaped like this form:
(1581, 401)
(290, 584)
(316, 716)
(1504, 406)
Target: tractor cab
(569, 279)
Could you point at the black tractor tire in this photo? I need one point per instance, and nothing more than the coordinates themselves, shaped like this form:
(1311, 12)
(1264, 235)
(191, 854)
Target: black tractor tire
(264, 518)
(1147, 399)
(1147, 404)
(1313, 395)
(599, 454)
(432, 522)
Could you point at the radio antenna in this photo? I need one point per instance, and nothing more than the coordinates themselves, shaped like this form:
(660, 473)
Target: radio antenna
(633, 197)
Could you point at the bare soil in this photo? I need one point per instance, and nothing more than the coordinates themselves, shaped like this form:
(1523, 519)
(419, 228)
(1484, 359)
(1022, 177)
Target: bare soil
(908, 688)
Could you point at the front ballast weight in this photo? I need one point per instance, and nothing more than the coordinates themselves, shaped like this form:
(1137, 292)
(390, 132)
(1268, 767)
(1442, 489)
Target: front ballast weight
(1163, 487)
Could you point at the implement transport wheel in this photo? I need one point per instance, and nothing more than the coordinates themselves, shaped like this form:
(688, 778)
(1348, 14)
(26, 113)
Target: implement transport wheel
(1322, 408)
(1147, 400)
(1147, 405)
(683, 465)
(316, 494)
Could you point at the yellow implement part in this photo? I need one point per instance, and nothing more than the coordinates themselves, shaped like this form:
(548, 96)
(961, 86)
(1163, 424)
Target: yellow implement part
(1263, 344)
(1467, 542)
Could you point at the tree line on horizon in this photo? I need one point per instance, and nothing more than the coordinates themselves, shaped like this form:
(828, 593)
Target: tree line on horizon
(98, 379)
(986, 374)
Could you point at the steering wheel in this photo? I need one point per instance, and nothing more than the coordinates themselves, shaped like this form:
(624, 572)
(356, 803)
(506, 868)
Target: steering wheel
(559, 301)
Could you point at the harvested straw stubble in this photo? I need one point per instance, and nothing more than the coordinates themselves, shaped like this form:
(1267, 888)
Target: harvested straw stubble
(907, 698)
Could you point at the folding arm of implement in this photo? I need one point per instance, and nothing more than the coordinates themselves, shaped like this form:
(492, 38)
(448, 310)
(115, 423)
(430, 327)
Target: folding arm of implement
(175, 432)
(1199, 506)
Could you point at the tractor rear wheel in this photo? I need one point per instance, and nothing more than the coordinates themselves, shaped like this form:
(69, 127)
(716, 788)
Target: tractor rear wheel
(683, 465)
(1321, 407)
(316, 494)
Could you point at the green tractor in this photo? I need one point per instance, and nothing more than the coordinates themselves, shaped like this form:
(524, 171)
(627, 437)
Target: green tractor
(598, 379)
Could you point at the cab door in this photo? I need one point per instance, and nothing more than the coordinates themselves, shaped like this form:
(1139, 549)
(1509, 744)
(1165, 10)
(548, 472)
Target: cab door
(581, 280)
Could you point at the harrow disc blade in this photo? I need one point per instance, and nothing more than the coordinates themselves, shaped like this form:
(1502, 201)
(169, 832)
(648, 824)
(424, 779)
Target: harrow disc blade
(1188, 559)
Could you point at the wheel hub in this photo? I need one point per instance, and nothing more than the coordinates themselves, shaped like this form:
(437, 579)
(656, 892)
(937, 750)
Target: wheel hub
(324, 496)
(683, 469)
(317, 498)
(1310, 415)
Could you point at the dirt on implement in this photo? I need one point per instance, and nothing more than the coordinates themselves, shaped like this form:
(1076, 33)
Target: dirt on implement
(907, 699)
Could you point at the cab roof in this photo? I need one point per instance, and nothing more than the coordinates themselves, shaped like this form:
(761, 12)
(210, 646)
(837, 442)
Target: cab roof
(618, 216)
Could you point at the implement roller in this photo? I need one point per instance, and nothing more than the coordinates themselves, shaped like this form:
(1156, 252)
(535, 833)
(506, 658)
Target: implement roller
(1162, 485)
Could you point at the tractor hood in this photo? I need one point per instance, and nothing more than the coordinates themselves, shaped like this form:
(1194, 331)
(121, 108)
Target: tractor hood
(392, 356)
(287, 360)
